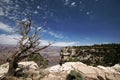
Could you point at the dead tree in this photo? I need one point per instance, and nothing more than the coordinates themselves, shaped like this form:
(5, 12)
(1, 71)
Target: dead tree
(27, 44)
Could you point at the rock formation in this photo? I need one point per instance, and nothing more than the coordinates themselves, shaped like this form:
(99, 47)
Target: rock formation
(57, 72)
(28, 69)
(106, 55)
(88, 72)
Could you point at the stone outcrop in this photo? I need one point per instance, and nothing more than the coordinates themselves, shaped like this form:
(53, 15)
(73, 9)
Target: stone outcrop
(28, 68)
(58, 72)
(106, 55)
(88, 72)
(3, 69)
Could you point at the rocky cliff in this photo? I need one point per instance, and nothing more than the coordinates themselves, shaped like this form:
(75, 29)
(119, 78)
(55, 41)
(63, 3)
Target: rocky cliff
(87, 72)
(31, 71)
(106, 55)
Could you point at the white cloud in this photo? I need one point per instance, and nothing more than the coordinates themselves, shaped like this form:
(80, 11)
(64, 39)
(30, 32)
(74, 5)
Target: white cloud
(65, 44)
(87, 13)
(66, 2)
(7, 1)
(81, 2)
(11, 39)
(45, 31)
(3, 8)
(5, 27)
(38, 7)
(1, 12)
(8, 39)
(73, 4)
(46, 42)
(56, 35)
(35, 12)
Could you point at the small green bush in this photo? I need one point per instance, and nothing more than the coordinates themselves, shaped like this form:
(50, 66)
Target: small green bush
(40, 60)
(73, 59)
(74, 75)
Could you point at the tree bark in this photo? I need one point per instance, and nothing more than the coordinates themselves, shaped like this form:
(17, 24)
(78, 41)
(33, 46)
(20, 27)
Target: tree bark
(12, 68)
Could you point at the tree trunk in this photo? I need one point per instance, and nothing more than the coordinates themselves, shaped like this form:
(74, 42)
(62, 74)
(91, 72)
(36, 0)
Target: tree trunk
(12, 68)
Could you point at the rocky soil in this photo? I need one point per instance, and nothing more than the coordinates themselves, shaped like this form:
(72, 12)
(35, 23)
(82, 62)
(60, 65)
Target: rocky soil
(58, 72)
(88, 72)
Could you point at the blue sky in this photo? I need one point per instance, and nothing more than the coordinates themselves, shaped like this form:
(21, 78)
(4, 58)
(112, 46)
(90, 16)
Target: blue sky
(68, 22)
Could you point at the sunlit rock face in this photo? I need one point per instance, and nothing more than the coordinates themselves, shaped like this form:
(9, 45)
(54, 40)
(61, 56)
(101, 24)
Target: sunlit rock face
(106, 55)
(88, 72)
(27, 67)
(58, 72)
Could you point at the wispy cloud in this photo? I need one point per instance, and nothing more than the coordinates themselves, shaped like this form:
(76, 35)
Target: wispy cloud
(66, 2)
(3, 6)
(6, 1)
(1, 11)
(65, 43)
(56, 35)
(11, 39)
(73, 4)
(59, 43)
(5, 27)
(8, 39)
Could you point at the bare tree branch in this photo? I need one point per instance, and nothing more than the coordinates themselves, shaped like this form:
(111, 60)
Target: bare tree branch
(27, 44)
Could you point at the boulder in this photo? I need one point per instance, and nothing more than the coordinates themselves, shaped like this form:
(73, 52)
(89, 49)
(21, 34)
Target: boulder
(28, 64)
(87, 72)
(29, 67)
(3, 69)
(116, 67)
(58, 72)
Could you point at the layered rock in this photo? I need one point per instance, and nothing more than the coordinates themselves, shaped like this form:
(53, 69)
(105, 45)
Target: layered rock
(58, 72)
(106, 55)
(3, 69)
(88, 72)
(27, 69)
